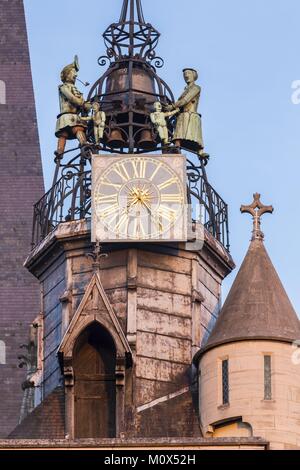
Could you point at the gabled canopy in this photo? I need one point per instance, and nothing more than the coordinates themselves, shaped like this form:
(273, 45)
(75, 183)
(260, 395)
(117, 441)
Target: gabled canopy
(95, 307)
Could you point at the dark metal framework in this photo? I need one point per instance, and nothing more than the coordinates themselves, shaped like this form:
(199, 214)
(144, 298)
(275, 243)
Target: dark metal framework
(131, 85)
(129, 129)
(127, 92)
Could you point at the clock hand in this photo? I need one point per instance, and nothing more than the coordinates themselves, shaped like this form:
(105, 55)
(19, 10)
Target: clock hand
(147, 206)
(153, 217)
(131, 204)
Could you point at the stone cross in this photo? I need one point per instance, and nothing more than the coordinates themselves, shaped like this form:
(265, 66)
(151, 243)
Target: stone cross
(257, 209)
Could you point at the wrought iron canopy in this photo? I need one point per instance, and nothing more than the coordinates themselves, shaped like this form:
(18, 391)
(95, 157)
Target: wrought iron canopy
(131, 36)
(130, 86)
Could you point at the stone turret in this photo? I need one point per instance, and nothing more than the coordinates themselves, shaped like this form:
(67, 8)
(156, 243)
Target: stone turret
(248, 370)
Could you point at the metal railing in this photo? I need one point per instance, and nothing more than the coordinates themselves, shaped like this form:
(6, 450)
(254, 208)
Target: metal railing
(70, 199)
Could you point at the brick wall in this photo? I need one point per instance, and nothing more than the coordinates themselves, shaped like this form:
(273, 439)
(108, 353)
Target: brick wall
(21, 185)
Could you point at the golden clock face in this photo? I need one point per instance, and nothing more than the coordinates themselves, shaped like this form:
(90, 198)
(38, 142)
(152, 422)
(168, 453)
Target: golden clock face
(139, 198)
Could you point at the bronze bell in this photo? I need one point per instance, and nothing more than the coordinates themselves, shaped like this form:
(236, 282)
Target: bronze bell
(146, 141)
(116, 139)
(142, 81)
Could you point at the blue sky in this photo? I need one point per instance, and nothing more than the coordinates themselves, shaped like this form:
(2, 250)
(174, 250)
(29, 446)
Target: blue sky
(247, 54)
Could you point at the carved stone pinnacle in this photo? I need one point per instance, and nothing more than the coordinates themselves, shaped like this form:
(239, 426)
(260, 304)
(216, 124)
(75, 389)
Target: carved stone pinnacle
(97, 255)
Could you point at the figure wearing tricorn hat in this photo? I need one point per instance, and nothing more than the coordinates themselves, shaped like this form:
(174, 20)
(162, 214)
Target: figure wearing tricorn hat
(69, 125)
(188, 132)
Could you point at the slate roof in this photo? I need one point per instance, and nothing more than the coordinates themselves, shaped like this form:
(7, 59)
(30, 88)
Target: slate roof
(257, 306)
(46, 421)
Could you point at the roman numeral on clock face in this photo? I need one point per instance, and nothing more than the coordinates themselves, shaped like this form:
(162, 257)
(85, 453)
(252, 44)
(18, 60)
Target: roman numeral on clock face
(108, 211)
(157, 223)
(167, 213)
(138, 228)
(155, 171)
(172, 198)
(121, 171)
(139, 168)
(106, 198)
(122, 223)
(107, 182)
(167, 183)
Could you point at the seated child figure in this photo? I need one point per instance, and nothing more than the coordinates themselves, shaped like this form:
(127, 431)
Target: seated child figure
(158, 119)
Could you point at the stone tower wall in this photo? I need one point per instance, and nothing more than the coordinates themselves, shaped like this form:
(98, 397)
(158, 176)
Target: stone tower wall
(166, 299)
(276, 420)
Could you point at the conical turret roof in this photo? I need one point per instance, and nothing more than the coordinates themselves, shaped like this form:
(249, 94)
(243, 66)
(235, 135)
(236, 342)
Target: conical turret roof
(257, 306)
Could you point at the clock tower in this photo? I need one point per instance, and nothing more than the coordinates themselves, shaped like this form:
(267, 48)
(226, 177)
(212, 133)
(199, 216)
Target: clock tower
(130, 248)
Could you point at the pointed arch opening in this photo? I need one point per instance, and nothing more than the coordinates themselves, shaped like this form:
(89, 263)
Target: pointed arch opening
(94, 363)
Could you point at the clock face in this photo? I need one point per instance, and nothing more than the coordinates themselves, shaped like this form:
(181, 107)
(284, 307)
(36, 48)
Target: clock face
(139, 198)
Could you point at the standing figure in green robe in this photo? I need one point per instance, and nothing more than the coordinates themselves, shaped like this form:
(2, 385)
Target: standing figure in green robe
(188, 132)
(69, 124)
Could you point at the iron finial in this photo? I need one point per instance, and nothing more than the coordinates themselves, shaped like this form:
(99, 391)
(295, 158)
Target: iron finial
(257, 209)
(132, 36)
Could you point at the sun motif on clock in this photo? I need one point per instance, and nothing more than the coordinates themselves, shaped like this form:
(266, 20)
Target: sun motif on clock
(139, 198)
